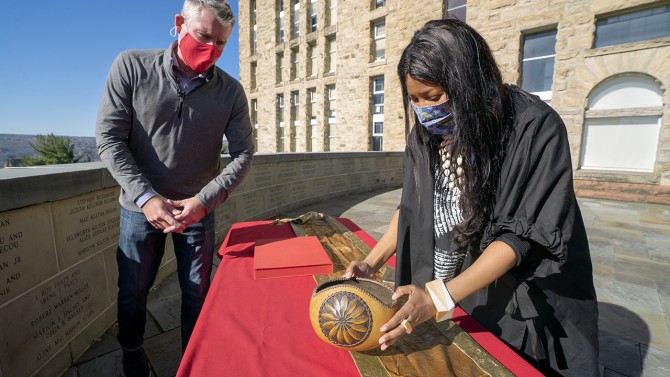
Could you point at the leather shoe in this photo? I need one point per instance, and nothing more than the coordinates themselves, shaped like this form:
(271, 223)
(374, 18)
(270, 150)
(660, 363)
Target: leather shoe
(136, 364)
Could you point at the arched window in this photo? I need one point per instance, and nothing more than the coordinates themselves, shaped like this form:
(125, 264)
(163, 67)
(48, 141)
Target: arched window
(622, 125)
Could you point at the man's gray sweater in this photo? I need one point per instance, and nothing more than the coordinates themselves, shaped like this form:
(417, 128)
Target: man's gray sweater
(151, 135)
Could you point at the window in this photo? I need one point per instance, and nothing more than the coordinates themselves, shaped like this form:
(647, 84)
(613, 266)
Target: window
(379, 41)
(332, 54)
(311, 60)
(295, 63)
(616, 136)
(295, 118)
(312, 15)
(280, 21)
(311, 115)
(332, 13)
(295, 108)
(280, 108)
(280, 122)
(633, 27)
(280, 68)
(378, 95)
(377, 135)
(537, 67)
(253, 27)
(254, 69)
(332, 113)
(332, 96)
(455, 8)
(379, 3)
(296, 18)
(377, 84)
(254, 120)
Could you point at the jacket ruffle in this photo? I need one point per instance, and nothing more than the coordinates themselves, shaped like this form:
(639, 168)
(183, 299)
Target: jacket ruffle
(546, 235)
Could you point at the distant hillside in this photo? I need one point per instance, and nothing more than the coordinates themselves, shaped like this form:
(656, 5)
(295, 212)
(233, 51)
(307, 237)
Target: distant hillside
(18, 146)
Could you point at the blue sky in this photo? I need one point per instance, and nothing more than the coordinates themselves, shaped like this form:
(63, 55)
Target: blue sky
(56, 55)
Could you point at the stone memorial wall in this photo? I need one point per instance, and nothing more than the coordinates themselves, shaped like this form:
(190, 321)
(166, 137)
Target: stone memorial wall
(59, 228)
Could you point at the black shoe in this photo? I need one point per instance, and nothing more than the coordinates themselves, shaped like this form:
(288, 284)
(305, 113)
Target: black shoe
(136, 364)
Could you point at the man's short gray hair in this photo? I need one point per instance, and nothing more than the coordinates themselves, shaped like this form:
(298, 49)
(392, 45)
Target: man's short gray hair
(220, 8)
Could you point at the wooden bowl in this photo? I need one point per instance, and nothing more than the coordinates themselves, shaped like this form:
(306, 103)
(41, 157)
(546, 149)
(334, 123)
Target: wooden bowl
(348, 313)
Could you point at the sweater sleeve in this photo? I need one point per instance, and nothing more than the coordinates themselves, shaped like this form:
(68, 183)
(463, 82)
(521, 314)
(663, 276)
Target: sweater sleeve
(535, 199)
(113, 128)
(241, 149)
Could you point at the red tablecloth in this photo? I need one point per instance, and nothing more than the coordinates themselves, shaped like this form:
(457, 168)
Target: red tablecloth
(253, 327)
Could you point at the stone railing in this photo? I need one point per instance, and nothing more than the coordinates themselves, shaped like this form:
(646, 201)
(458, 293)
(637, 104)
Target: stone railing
(59, 228)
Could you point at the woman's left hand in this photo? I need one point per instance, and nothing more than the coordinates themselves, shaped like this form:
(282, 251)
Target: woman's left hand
(418, 309)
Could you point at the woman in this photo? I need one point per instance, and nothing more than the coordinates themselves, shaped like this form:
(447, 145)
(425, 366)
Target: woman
(488, 216)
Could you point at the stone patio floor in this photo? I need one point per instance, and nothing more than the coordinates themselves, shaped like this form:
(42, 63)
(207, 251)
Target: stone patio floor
(630, 249)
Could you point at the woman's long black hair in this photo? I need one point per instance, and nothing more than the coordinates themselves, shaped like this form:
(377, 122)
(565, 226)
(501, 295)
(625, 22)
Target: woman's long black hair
(453, 55)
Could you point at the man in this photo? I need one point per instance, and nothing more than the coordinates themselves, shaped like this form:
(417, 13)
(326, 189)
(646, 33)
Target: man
(159, 131)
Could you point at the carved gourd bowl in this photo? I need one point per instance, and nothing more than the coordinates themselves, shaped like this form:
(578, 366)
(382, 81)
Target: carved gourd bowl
(348, 313)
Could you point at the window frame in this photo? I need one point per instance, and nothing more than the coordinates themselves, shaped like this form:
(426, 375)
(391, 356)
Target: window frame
(313, 16)
(332, 54)
(602, 23)
(545, 95)
(295, 29)
(377, 118)
(376, 38)
(281, 33)
(295, 64)
(281, 129)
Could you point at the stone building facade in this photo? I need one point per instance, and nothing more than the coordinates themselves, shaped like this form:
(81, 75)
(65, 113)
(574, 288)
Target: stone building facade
(321, 76)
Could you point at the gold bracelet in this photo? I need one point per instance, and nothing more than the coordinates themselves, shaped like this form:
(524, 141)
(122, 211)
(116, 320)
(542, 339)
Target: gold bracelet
(441, 298)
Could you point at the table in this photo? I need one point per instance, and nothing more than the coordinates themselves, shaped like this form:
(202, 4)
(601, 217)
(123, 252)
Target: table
(261, 327)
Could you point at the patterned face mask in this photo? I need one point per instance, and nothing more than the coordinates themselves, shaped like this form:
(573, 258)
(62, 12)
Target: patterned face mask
(437, 119)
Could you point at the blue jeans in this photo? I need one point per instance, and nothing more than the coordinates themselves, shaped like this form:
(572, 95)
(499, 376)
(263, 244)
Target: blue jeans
(140, 251)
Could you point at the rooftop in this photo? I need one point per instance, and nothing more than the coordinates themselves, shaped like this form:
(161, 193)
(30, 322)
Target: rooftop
(630, 249)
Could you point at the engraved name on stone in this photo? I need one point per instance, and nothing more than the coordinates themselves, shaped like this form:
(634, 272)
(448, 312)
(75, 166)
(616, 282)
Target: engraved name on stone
(329, 166)
(339, 183)
(365, 164)
(225, 215)
(298, 191)
(42, 322)
(309, 169)
(320, 185)
(277, 197)
(381, 163)
(346, 165)
(86, 224)
(27, 255)
(373, 179)
(249, 205)
(287, 171)
(356, 180)
(262, 175)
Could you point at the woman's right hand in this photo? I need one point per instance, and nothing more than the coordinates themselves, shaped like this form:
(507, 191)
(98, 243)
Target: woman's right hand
(359, 269)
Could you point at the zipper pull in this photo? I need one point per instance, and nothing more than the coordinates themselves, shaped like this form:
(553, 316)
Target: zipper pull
(181, 95)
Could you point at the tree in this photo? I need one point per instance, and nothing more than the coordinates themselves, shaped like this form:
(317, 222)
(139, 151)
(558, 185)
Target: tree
(51, 150)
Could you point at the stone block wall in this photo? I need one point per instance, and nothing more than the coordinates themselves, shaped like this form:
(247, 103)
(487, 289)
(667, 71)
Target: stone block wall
(59, 229)
(579, 69)
(352, 77)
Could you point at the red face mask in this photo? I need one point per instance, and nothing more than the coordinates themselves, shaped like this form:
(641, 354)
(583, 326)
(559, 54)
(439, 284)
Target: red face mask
(198, 56)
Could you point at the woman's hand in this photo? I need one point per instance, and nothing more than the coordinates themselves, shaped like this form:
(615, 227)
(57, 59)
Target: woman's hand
(418, 309)
(359, 269)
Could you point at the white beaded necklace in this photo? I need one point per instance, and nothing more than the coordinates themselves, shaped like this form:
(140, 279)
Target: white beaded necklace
(453, 169)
